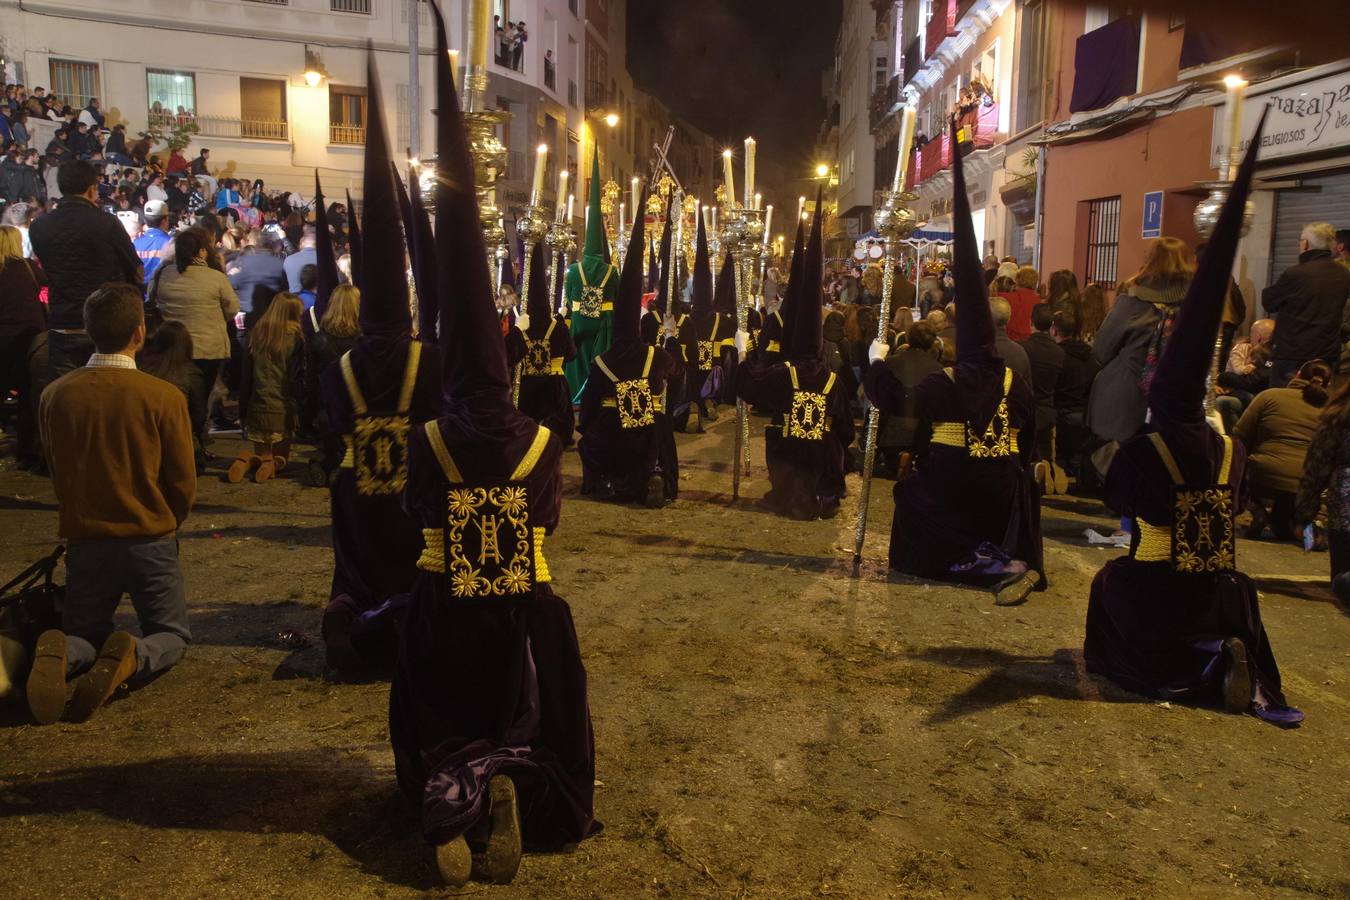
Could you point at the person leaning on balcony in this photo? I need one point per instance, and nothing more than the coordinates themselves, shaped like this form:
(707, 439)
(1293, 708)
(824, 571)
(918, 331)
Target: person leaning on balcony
(1308, 304)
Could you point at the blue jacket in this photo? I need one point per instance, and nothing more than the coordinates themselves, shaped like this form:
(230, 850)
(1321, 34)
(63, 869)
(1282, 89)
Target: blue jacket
(150, 247)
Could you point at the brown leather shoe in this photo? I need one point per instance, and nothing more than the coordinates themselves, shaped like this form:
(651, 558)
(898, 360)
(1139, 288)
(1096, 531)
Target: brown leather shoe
(47, 678)
(499, 863)
(115, 664)
(266, 469)
(453, 862)
(239, 469)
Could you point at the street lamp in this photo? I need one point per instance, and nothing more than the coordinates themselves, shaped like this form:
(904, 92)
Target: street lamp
(612, 120)
(822, 170)
(314, 68)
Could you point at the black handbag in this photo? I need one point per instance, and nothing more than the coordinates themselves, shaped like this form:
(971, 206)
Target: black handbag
(32, 601)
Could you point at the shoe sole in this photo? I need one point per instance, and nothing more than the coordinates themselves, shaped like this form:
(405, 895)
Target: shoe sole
(238, 469)
(1015, 593)
(499, 863)
(454, 863)
(13, 663)
(115, 664)
(264, 473)
(47, 680)
(1237, 679)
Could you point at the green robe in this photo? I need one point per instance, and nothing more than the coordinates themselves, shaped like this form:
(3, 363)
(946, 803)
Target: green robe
(592, 335)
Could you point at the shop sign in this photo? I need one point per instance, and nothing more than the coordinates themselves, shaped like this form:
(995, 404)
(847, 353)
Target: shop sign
(1304, 118)
(1153, 209)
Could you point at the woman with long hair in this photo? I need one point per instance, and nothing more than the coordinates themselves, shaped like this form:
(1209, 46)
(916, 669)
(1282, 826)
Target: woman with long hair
(167, 355)
(1092, 311)
(269, 396)
(1132, 338)
(197, 294)
(1064, 289)
(22, 318)
(1276, 430)
(336, 334)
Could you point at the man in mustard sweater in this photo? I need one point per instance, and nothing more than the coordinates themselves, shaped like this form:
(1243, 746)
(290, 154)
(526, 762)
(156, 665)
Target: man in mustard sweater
(119, 445)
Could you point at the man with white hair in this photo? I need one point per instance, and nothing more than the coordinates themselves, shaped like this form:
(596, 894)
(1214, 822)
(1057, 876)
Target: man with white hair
(1307, 304)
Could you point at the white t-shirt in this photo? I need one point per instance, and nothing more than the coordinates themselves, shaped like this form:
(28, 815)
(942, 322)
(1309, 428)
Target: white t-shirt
(155, 192)
(88, 118)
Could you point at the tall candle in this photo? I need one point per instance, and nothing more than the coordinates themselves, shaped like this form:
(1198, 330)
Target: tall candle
(537, 189)
(749, 170)
(728, 178)
(1232, 115)
(713, 211)
(570, 199)
(454, 68)
(801, 207)
(637, 198)
(906, 143)
(707, 220)
(768, 220)
(562, 194)
(621, 217)
(759, 198)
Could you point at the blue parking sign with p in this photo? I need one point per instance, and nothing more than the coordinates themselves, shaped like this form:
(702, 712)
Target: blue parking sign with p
(1153, 214)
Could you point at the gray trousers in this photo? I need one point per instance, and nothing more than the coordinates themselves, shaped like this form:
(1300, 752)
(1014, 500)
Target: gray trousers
(98, 573)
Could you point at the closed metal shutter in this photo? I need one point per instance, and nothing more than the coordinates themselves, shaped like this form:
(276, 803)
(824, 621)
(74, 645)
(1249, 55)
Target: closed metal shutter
(1296, 208)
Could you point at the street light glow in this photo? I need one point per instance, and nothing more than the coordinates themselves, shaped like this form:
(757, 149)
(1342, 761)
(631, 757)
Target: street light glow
(612, 119)
(312, 77)
(822, 170)
(1234, 81)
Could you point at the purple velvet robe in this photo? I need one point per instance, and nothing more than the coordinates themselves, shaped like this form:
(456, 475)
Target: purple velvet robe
(491, 686)
(1156, 631)
(806, 477)
(545, 398)
(375, 544)
(952, 503)
(628, 457)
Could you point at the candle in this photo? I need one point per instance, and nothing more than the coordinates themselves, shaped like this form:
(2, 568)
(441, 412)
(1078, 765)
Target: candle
(537, 189)
(768, 220)
(759, 198)
(570, 199)
(713, 212)
(749, 171)
(1232, 115)
(801, 207)
(707, 220)
(621, 218)
(728, 178)
(906, 142)
(562, 194)
(637, 198)
(454, 67)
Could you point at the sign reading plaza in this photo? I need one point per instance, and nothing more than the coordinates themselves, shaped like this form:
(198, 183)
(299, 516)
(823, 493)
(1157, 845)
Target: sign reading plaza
(1304, 118)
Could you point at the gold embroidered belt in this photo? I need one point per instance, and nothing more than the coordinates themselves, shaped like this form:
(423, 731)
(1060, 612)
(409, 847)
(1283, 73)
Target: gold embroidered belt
(433, 554)
(953, 434)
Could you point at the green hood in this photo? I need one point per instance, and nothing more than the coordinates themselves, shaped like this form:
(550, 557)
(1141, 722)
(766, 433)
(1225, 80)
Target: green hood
(596, 245)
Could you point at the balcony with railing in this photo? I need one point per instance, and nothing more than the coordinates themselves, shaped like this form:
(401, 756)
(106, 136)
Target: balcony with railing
(885, 101)
(244, 127)
(350, 6)
(346, 134)
(936, 155)
(941, 26)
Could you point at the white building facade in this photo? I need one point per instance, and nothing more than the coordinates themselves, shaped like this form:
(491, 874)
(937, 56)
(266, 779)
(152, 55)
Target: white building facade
(237, 69)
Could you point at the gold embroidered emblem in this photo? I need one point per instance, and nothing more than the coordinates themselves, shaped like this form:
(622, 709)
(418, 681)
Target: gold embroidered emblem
(591, 302)
(635, 404)
(1202, 529)
(380, 453)
(538, 357)
(806, 419)
(997, 438)
(489, 545)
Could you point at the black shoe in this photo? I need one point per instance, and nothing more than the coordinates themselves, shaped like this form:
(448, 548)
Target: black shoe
(500, 861)
(1237, 677)
(656, 492)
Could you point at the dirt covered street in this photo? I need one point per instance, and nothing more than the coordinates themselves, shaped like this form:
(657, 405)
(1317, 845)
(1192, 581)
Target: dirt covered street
(766, 725)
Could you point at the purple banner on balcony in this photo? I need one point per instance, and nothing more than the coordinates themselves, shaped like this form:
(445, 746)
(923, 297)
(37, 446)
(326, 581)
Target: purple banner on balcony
(1106, 65)
(1200, 46)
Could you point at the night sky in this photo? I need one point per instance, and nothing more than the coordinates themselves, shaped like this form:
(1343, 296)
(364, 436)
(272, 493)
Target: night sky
(738, 68)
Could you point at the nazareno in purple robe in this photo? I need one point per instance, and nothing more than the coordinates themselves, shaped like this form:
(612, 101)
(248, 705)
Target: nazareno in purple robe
(806, 477)
(626, 458)
(954, 503)
(1156, 631)
(491, 686)
(375, 544)
(545, 398)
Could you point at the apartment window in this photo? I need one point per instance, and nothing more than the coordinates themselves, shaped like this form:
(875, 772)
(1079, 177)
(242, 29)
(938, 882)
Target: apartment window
(350, 6)
(172, 95)
(262, 109)
(1103, 240)
(74, 82)
(985, 68)
(346, 115)
(574, 59)
(1031, 62)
